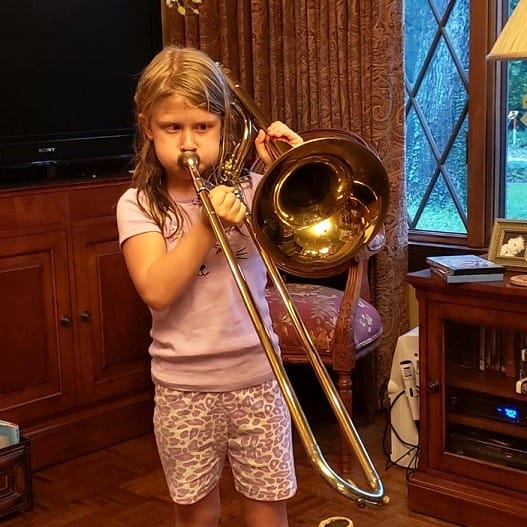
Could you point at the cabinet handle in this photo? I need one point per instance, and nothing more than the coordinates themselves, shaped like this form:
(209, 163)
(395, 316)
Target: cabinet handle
(66, 321)
(85, 315)
(433, 385)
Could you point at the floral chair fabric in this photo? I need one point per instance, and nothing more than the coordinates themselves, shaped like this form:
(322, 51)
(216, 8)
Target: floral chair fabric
(318, 307)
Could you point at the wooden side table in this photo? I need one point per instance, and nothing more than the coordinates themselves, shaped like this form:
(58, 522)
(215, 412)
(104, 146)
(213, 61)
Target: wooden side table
(472, 468)
(16, 492)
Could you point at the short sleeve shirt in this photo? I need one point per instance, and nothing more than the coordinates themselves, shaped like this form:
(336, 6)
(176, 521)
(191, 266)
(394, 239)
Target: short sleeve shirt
(205, 340)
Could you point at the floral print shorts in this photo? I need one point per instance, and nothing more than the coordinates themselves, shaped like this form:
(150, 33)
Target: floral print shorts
(196, 431)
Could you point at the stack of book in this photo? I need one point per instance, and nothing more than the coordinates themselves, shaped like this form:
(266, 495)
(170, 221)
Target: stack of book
(460, 268)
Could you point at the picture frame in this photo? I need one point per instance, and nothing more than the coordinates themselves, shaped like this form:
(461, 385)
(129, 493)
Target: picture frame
(508, 244)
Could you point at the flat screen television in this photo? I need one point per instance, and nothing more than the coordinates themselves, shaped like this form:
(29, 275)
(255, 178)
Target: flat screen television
(69, 70)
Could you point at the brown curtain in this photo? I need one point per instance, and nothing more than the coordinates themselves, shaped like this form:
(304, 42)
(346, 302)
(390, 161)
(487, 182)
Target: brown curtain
(323, 64)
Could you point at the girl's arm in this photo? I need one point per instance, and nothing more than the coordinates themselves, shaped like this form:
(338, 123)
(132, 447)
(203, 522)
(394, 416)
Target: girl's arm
(159, 275)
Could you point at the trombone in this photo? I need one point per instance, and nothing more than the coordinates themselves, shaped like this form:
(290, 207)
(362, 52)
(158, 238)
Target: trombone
(321, 231)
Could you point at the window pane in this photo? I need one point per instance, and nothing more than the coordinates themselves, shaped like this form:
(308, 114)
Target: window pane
(516, 141)
(436, 70)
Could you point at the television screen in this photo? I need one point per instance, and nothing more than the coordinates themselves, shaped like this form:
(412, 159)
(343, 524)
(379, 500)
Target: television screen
(69, 69)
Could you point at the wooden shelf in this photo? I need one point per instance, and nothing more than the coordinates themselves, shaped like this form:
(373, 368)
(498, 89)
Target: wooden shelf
(489, 425)
(479, 381)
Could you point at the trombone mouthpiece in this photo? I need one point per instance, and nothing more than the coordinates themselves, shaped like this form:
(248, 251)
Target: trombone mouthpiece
(188, 159)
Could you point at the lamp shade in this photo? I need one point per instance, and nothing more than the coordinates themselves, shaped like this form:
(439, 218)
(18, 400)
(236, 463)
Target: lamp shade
(511, 43)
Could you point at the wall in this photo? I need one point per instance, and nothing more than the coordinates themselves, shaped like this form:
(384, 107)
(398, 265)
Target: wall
(413, 314)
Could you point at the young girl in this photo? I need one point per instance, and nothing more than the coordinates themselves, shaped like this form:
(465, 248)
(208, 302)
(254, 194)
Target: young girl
(215, 394)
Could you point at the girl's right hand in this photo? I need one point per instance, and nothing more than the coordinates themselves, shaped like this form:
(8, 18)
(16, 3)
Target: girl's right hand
(229, 208)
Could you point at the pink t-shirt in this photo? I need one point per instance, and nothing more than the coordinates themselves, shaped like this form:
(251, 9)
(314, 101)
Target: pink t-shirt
(205, 340)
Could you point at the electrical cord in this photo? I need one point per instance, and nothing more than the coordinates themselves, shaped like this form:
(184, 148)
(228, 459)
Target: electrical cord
(390, 428)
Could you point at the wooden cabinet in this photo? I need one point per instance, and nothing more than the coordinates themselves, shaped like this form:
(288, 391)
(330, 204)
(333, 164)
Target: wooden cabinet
(473, 430)
(73, 332)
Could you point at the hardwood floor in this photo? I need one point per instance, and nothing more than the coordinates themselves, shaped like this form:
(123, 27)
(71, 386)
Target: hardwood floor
(123, 486)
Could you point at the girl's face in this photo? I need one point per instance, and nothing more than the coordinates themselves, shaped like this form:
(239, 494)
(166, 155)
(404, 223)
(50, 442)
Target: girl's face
(174, 126)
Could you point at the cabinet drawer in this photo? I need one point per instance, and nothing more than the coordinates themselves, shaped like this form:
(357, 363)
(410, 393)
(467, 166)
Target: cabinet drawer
(95, 202)
(32, 210)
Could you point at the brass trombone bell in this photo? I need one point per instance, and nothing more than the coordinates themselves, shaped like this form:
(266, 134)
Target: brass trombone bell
(319, 204)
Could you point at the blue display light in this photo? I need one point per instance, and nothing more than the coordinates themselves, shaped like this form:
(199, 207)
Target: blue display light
(509, 412)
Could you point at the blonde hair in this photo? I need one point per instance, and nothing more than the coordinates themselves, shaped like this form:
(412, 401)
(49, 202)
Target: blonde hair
(193, 75)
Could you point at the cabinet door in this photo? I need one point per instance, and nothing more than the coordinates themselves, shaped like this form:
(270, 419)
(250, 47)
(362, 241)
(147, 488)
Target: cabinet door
(36, 342)
(471, 394)
(113, 323)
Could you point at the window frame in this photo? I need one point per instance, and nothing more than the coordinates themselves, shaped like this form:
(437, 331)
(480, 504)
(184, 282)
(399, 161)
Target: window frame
(485, 143)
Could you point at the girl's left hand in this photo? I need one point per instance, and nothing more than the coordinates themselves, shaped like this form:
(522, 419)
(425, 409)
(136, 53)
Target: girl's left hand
(227, 205)
(277, 131)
